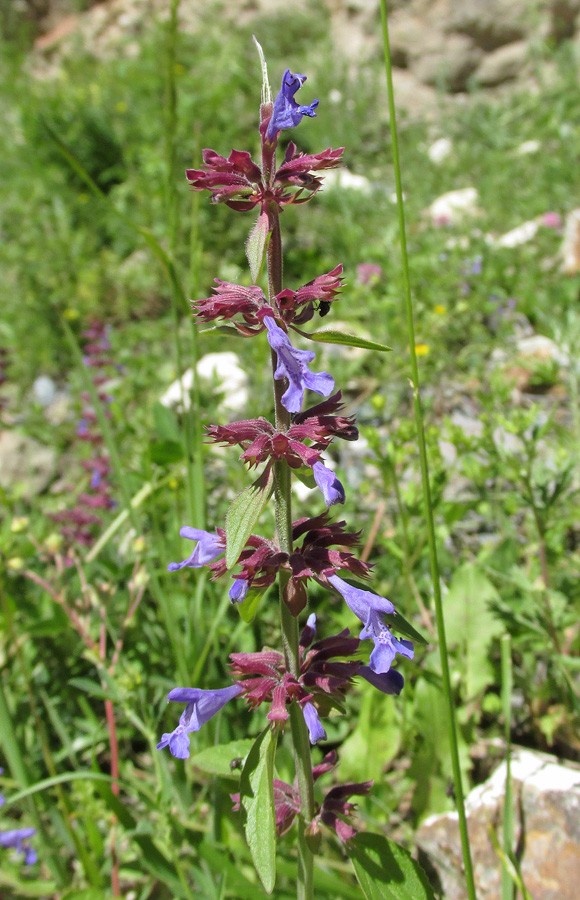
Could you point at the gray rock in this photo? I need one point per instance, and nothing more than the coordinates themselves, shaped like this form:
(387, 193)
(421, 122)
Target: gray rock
(446, 61)
(26, 466)
(491, 23)
(547, 831)
(503, 64)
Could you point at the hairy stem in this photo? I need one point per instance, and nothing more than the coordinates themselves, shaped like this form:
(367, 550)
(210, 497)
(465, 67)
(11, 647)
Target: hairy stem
(435, 575)
(288, 622)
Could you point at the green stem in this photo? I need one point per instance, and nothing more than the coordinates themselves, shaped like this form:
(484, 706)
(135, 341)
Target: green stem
(507, 886)
(435, 575)
(288, 622)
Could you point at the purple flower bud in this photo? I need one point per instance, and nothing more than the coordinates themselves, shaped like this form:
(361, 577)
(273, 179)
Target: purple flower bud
(331, 488)
(390, 682)
(287, 113)
(293, 365)
(313, 723)
(239, 590)
(201, 706)
(208, 547)
(369, 607)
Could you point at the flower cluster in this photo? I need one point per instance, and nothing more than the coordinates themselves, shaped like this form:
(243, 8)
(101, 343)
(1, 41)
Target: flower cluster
(80, 521)
(318, 548)
(252, 307)
(17, 839)
(332, 812)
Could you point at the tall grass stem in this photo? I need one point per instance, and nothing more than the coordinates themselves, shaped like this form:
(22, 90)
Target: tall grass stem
(507, 885)
(434, 563)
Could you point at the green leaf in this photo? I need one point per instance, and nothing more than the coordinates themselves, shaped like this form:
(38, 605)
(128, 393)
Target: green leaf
(257, 802)
(165, 422)
(386, 871)
(375, 740)
(399, 624)
(217, 760)
(243, 514)
(256, 245)
(472, 626)
(87, 894)
(341, 337)
(164, 453)
(90, 687)
(249, 607)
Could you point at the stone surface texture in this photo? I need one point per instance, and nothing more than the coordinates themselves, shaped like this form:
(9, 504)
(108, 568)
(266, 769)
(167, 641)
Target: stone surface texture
(438, 45)
(547, 831)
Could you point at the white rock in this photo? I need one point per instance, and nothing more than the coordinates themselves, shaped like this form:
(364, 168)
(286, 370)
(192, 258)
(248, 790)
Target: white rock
(518, 236)
(344, 178)
(223, 368)
(528, 147)
(440, 150)
(570, 250)
(44, 390)
(542, 348)
(452, 207)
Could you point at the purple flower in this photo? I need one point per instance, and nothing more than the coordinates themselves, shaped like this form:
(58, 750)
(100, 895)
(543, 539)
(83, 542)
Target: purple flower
(313, 723)
(369, 608)
(208, 547)
(332, 489)
(15, 839)
(239, 590)
(293, 365)
(201, 706)
(287, 113)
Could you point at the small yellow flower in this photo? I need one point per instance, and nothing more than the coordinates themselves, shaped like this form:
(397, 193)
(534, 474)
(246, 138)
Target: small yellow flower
(139, 545)
(71, 314)
(440, 309)
(121, 106)
(173, 484)
(421, 349)
(19, 524)
(53, 542)
(15, 564)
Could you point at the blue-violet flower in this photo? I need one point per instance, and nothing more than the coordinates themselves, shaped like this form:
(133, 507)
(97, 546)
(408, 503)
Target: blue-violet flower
(287, 113)
(369, 608)
(15, 839)
(293, 365)
(315, 729)
(201, 706)
(209, 546)
(331, 488)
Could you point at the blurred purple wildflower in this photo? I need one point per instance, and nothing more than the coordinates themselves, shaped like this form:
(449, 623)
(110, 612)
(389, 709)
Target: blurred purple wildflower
(287, 113)
(552, 220)
(16, 840)
(201, 707)
(293, 365)
(368, 272)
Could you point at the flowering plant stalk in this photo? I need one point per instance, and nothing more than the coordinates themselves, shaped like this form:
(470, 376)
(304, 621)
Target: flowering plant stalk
(307, 677)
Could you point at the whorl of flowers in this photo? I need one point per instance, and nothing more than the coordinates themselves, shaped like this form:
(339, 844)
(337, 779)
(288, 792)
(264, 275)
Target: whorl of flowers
(319, 549)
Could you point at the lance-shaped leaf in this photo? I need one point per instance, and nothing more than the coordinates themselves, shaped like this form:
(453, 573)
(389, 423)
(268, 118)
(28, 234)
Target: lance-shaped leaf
(386, 871)
(341, 337)
(256, 245)
(243, 514)
(219, 758)
(257, 802)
